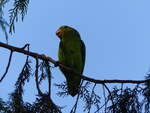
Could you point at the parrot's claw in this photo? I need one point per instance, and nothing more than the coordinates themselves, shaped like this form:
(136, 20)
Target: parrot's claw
(56, 64)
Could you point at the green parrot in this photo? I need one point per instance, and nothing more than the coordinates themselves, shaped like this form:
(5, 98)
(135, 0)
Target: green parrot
(72, 54)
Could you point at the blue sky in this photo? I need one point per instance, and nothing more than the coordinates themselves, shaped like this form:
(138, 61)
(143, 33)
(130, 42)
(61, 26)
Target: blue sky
(116, 34)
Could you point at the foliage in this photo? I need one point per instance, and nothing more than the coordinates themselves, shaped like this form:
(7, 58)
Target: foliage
(20, 7)
(3, 23)
(19, 10)
(123, 100)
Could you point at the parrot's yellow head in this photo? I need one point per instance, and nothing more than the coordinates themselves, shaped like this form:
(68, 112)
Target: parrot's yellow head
(66, 31)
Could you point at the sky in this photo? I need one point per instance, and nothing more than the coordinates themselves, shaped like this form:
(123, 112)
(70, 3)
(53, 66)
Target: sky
(116, 34)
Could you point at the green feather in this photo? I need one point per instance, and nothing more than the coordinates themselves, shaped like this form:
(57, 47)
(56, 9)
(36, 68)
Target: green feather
(83, 53)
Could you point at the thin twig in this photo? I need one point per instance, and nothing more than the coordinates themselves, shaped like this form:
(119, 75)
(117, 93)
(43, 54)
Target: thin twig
(109, 94)
(49, 78)
(8, 65)
(121, 88)
(102, 106)
(91, 97)
(26, 45)
(73, 110)
(105, 104)
(36, 77)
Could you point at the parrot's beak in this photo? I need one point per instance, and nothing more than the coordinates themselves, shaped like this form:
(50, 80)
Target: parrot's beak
(58, 33)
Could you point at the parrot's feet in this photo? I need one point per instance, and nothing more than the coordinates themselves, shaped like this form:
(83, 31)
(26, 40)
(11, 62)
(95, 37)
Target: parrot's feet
(56, 64)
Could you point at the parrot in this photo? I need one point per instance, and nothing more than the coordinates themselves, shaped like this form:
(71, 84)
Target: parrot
(71, 53)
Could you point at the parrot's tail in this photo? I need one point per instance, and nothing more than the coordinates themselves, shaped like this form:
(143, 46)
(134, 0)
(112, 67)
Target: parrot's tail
(73, 85)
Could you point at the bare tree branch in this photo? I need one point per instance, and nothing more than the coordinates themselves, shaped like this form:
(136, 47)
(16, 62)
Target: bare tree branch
(36, 77)
(46, 58)
(8, 65)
